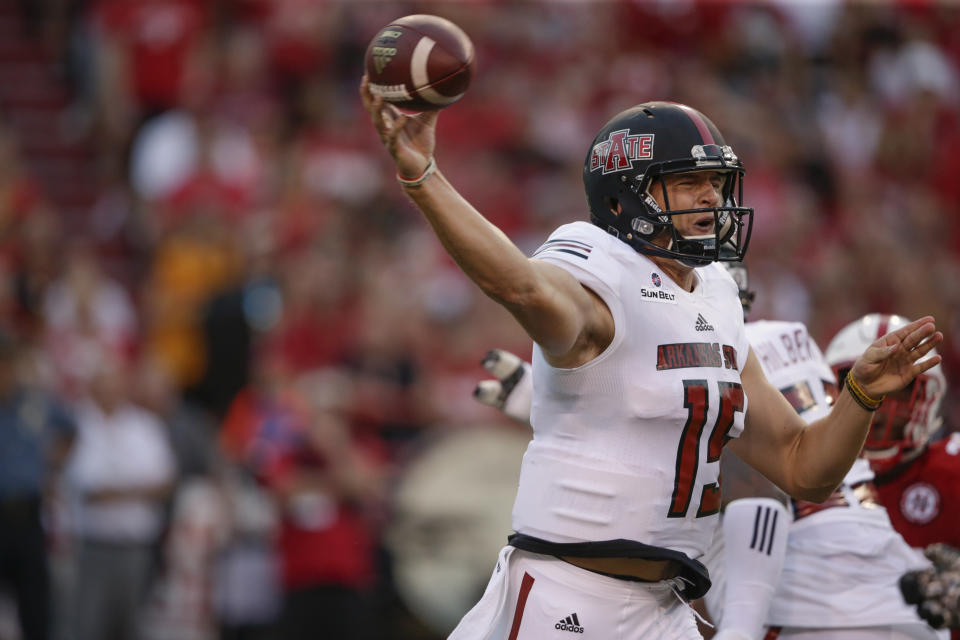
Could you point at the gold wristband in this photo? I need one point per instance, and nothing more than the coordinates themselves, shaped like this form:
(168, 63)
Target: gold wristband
(861, 397)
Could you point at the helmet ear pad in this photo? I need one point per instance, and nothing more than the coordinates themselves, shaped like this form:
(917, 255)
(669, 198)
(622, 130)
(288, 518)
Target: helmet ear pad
(629, 214)
(642, 216)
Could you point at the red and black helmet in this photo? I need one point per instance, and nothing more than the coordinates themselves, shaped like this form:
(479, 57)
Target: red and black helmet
(634, 151)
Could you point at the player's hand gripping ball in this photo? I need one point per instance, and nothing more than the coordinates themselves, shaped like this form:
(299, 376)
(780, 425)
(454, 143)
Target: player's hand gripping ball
(420, 63)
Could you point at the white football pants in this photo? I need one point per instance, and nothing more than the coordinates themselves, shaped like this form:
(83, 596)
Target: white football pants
(532, 596)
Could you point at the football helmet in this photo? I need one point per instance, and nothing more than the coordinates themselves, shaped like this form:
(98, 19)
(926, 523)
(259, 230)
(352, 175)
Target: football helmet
(630, 157)
(738, 271)
(906, 419)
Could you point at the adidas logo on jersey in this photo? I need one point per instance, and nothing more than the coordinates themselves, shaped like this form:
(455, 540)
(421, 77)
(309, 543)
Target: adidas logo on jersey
(702, 324)
(570, 623)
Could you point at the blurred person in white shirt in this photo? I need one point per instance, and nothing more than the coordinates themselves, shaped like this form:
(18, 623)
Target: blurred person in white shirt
(121, 473)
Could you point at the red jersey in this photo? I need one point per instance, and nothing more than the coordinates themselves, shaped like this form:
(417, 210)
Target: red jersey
(924, 499)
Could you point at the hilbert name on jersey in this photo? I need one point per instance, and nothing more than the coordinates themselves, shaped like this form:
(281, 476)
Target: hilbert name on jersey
(793, 348)
(682, 355)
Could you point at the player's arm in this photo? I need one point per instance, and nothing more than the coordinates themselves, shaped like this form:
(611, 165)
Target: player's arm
(754, 549)
(809, 462)
(569, 322)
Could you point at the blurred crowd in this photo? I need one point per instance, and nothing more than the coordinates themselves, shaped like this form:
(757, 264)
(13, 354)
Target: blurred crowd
(215, 372)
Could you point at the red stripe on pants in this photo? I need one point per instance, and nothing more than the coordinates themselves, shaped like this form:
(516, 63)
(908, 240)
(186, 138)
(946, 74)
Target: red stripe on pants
(525, 587)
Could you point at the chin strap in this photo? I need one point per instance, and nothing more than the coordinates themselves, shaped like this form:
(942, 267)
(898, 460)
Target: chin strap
(653, 250)
(647, 248)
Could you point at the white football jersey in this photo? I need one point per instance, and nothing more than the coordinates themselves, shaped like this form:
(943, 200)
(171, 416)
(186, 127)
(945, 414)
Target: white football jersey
(843, 566)
(794, 364)
(627, 446)
(842, 563)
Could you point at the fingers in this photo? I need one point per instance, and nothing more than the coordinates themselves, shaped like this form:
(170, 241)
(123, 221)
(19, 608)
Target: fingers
(915, 339)
(489, 392)
(393, 118)
(943, 556)
(383, 114)
(923, 341)
(365, 96)
(512, 390)
(901, 334)
(923, 348)
(373, 104)
(502, 364)
(920, 342)
(924, 329)
(924, 365)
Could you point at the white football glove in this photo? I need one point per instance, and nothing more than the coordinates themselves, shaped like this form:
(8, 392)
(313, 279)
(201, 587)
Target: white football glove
(512, 390)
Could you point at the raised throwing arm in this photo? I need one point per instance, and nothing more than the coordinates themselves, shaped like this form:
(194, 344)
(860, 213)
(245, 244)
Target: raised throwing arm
(568, 321)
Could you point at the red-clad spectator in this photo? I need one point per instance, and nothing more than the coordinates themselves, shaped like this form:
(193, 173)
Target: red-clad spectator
(294, 36)
(156, 40)
(318, 326)
(326, 482)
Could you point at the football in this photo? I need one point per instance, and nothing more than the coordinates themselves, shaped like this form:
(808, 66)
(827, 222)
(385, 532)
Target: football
(420, 62)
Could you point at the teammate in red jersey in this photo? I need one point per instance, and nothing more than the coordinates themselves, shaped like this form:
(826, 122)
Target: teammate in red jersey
(918, 481)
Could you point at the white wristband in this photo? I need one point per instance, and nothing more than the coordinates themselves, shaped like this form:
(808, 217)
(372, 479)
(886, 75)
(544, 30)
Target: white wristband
(416, 182)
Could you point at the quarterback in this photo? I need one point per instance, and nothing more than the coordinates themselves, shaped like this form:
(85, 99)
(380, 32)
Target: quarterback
(636, 394)
(785, 568)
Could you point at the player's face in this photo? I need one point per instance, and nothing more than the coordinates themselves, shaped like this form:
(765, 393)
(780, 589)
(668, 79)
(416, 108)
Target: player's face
(691, 190)
(896, 411)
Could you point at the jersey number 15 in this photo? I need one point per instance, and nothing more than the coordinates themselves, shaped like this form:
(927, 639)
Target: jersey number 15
(696, 399)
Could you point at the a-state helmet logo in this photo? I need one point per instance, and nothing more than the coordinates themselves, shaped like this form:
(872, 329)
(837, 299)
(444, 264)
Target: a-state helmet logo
(920, 503)
(620, 150)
